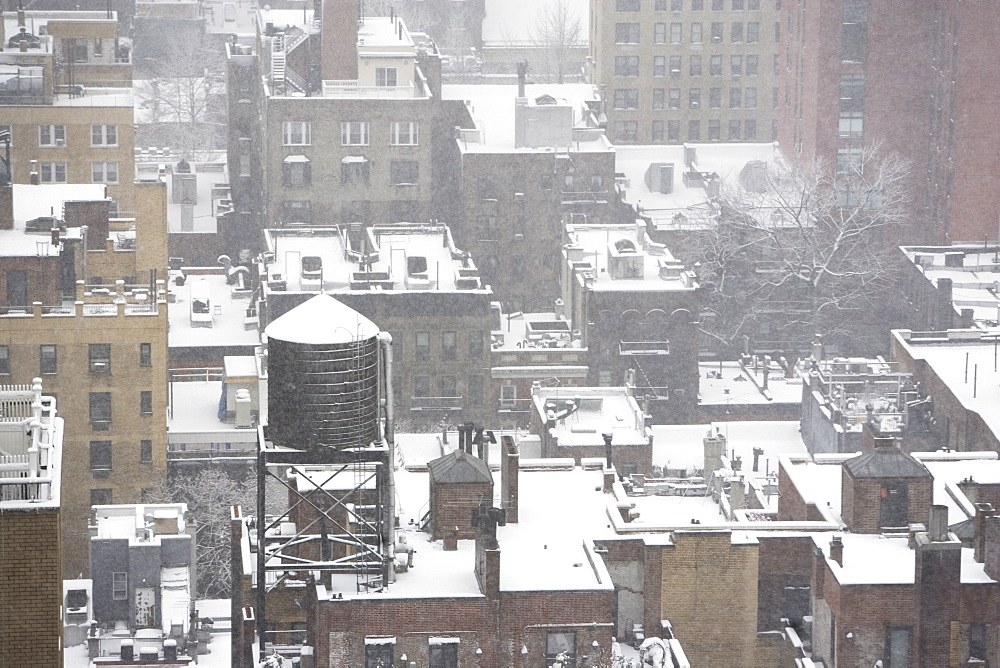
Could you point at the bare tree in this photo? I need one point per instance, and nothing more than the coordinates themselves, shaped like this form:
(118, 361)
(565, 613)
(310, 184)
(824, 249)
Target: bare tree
(558, 40)
(798, 252)
(209, 495)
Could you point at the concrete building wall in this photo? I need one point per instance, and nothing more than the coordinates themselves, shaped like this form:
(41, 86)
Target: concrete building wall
(712, 107)
(31, 593)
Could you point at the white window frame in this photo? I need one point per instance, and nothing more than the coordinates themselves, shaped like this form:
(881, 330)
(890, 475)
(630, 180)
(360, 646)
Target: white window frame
(296, 133)
(52, 135)
(354, 130)
(101, 174)
(386, 77)
(49, 172)
(659, 33)
(404, 133)
(9, 129)
(105, 135)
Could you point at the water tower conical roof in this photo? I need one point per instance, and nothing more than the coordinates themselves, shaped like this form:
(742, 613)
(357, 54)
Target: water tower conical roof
(322, 320)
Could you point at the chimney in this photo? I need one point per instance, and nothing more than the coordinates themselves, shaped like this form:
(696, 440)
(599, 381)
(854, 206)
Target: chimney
(522, 72)
(509, 469)
(450, 540)
(340, 39)
(937, 528)
(837, 549)
(7, 207)
(984, 511)
(715, 448)
(737, 494)
(872, 438)
(607, 436)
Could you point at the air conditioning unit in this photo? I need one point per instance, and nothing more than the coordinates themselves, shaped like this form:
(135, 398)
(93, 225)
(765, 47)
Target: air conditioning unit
(716, 39)
(518, 237)
(695, 105)
(675, 73)
(60, 142)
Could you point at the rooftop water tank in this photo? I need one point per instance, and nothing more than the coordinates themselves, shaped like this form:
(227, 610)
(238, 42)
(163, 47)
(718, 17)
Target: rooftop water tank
(323, 376)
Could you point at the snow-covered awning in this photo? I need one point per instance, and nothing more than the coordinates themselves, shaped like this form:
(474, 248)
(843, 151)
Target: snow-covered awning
(387, 640)
(354, 158)
(446, 640)
(296, 158)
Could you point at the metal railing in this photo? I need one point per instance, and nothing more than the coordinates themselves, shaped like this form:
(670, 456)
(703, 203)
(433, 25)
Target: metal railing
(435, 403)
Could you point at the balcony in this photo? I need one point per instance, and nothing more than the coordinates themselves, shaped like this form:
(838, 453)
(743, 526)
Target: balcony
(436, 403)
(514, 406)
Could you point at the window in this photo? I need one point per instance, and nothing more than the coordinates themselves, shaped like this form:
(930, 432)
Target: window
(486, 187)
(750, 98)
(101, 497)
(627, 66)
(17, 287)
(99, 357)
(626, 33)
(675, 33)
(145, 354)
(737, 5)
(146, 402)
(449, 346)
(104, 135)
(774, 129)
(404, 172)
(475, 390)
(656, 132)
(897, 646)
(674, 97)
(754, 5)
(714, 98)
(673, 130)
(449, 386)
(100, 455)
(626, 98)
(977, 642)
(851, 124)
(694, 66)
(51, 135)
(717, 30)
(753, 31)
(658, 99)
(696, 33)
(736, 65)
(403, 134)
(100, 410)
(296, 133)
(750, 130)
(697, 5)
(774, 97)
(560, 645)
(104, 172)
(146, 451)
(676, 5)
(354, 133)
(627, 5)
(52, 172)
(751, 66)
(6, 134)
(777, 65)
(852, 92)
(119, 586)
(296, 211)
(735, 98)
(694, 98)
(296, 172)
(736, 31)
(848, 159)
(4, 360)
(47, 358)
(660, 6)
(854, 31)
(714, 130)
(715, 66)
(660, 33)
(444, 656)
(659, 66)
(777, 32)
(675, 66)
(626, 131)
(354, 171)
(421, 386)
(718, 5)
(385, 76)
(734, 131)
(423, 347)
(475, 345)
(694, 131)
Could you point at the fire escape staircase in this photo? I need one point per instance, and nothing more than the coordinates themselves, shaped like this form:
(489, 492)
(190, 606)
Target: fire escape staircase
(281, 76)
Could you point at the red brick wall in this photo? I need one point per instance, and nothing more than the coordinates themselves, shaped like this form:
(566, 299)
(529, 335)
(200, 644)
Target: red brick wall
(452, 505)
(861, 501)
(30, 588)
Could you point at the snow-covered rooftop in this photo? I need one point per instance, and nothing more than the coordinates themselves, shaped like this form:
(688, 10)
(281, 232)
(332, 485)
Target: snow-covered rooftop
(965, 361)
(514, 23)
(682, 446)
(36, 201)
(687, 204)
(194, 416)
(395, 265)
(739, 385)
(492, 108)
(596, 411)
(140, 524)
(972, 268)
(227, 315)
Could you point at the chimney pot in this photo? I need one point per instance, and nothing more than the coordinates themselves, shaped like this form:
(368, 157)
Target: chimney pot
(837, 549)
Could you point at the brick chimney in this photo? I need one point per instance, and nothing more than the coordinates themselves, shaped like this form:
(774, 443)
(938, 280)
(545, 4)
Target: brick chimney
(340, 39)
(837, 549)
(937, 586)
(509, 467)
(715, 450)
(984, 511)
(7, 207)
(872, 438)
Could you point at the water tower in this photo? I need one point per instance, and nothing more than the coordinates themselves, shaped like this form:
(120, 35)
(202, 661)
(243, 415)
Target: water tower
(328, 443)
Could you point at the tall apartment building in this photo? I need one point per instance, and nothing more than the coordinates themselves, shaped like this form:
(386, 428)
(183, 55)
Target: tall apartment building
(677, 71)
(346, 131)
(919, 82)
(81, 306)
(66, 100)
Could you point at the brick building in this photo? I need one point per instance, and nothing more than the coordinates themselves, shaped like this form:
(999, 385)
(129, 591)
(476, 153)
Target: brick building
(861, 72)
(674, 71)
(457, 483)
(67, 103)
(87, 314)
(30, 548)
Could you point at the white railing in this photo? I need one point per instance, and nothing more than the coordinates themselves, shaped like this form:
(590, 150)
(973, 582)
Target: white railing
(26, 473)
